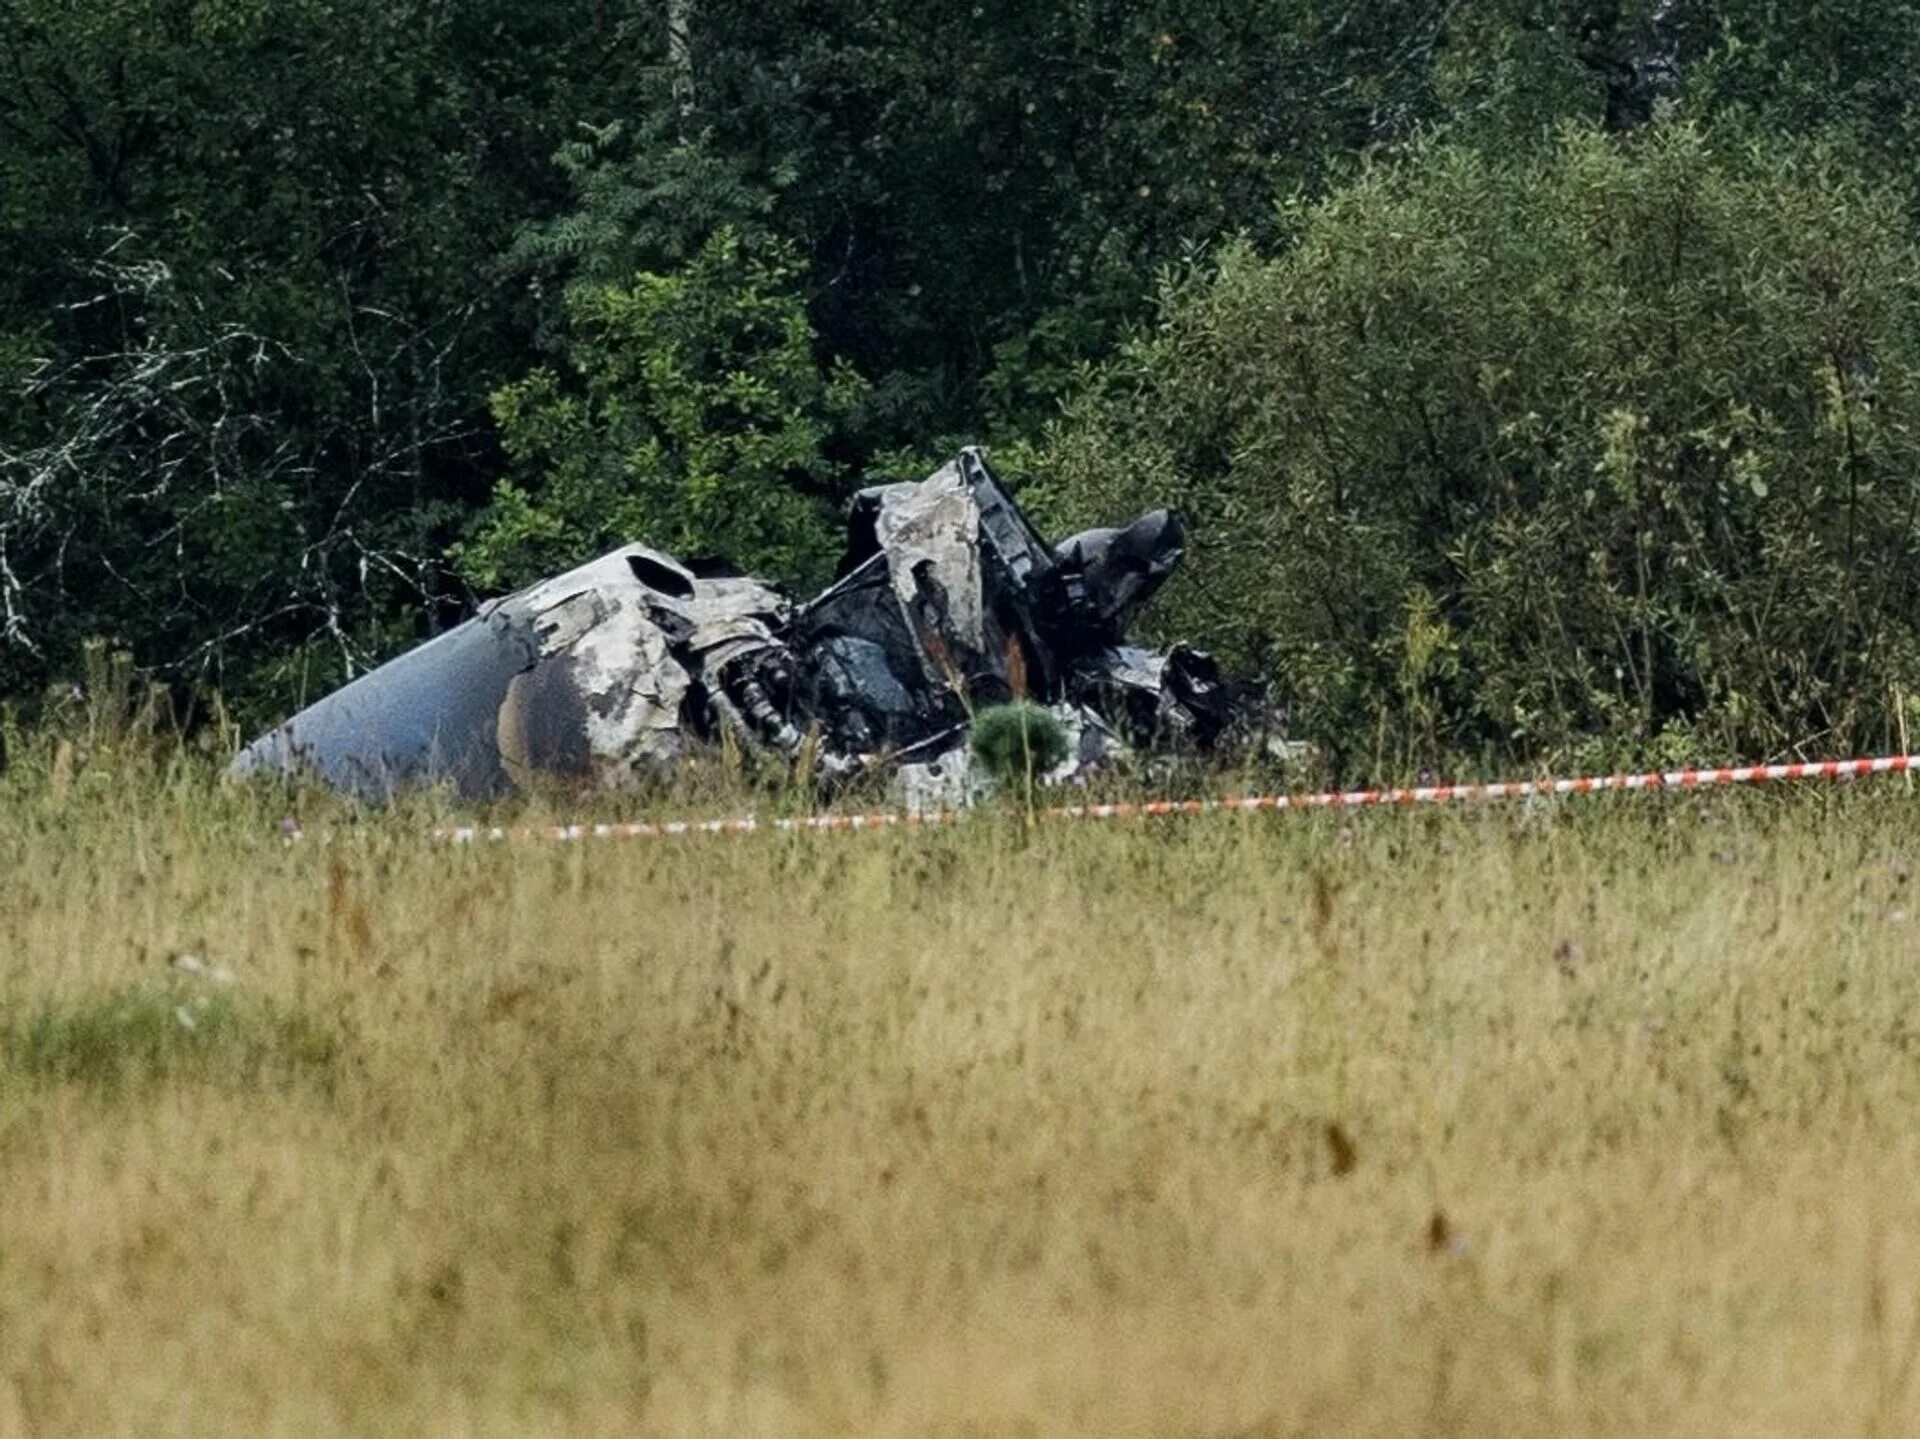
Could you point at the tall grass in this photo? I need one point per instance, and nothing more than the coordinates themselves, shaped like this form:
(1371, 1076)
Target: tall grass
(1593, 1119)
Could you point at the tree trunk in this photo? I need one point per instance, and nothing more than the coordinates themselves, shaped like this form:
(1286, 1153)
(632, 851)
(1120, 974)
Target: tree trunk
(680, 52)
(1636, 55)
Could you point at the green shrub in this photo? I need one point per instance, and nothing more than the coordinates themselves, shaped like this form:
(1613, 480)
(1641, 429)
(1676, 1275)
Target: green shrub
(1567, 457)
(1018, 742)
(697, 419)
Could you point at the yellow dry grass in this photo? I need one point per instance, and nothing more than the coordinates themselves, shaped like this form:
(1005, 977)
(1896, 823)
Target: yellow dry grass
(1596, 1120)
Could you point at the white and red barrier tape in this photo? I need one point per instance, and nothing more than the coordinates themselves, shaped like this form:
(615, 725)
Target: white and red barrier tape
(1833, 769)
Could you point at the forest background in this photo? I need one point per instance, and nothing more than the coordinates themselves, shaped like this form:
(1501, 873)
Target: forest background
(1541, 380)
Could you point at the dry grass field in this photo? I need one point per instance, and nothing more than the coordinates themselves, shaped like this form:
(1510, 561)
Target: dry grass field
(1601, 1119)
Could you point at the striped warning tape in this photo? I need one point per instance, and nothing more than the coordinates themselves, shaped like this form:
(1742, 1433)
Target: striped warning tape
(1833, 769)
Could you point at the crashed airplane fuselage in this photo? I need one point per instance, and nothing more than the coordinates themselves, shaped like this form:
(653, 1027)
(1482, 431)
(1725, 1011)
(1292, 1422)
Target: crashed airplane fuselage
(947, 599)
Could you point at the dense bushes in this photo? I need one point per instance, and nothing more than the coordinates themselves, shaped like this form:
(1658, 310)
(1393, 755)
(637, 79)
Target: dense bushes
(250, 313)
(319, 318)
(1547, 455)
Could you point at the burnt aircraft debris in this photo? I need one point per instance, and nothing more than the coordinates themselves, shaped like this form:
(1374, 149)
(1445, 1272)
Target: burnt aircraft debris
(947, 599)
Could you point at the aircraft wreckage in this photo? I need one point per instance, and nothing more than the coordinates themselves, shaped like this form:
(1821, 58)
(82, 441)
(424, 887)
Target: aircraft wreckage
(947, 599)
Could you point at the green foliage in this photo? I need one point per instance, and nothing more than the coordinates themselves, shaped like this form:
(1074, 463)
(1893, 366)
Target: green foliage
(1527, 455)
(155, 1032)
(271, 271)
(1833, 66)
(1018, 742)
(644, 197)
(698, 419)
(248, 322)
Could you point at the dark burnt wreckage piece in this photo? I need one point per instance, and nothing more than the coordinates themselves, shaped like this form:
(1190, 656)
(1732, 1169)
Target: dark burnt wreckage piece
(590, 673)
(947, 599)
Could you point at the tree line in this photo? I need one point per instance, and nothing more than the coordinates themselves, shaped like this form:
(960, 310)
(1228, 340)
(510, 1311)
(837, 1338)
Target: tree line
(1541, 377)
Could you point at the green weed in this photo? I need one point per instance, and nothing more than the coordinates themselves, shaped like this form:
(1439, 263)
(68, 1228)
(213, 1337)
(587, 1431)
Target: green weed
(155, 1032)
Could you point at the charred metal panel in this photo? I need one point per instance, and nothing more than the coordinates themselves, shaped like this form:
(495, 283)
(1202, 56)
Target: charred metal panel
(586, 674)
(1106, 576)
(948, 599)
(430, 714)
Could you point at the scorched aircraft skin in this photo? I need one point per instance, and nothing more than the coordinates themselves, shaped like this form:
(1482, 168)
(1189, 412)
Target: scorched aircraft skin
(947, 599)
